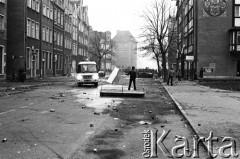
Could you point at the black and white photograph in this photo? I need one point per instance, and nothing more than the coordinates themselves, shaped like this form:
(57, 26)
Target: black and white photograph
(119, 79)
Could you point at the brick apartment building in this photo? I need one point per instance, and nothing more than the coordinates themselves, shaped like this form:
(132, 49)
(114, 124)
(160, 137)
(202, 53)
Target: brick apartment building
(43, 36)
(126, 55)
(3, 37)
(209, 37)
(68, 12)
(80, 33)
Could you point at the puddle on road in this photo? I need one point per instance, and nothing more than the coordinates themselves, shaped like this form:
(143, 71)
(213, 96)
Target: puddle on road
(90, 97)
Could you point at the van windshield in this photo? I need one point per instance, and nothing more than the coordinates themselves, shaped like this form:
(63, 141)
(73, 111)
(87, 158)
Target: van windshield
(87, 68)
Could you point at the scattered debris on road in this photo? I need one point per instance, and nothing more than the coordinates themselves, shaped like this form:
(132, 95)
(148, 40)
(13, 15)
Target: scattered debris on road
(24, 119)
(52, 110)
(144, 123)
(4, 140)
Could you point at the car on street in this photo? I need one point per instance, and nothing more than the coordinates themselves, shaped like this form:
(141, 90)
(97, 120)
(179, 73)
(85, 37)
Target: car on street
(87, 73)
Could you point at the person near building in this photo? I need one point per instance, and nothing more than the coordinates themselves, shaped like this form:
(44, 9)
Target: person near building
(178, 75)
(133, 75)
(170, 76)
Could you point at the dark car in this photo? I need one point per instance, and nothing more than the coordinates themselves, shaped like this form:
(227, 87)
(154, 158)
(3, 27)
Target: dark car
(145, 75)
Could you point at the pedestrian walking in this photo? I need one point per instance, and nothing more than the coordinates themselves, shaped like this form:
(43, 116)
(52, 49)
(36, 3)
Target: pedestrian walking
(170, 76)
(178, 75)
(133, 76)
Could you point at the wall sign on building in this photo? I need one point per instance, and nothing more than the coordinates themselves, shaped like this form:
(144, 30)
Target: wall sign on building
(214, 8)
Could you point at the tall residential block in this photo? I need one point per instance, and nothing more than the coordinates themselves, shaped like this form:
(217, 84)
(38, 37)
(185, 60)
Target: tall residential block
(3, 37)
(126, 51)
(209, 37)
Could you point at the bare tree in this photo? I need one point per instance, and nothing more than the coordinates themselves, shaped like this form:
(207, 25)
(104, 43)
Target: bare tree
(101, 46)
(159, 31)
(150, 48)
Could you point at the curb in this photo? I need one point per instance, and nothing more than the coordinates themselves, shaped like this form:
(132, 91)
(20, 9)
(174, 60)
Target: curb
(184, 113)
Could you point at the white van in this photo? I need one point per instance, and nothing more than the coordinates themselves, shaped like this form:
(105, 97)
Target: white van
(87, 73)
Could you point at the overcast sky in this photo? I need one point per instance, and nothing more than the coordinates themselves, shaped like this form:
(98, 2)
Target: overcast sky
(113, 15)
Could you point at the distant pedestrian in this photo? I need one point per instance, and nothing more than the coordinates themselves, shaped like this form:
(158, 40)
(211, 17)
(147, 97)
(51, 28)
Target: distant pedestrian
(178, 75)
(170, 76)
(133, 76)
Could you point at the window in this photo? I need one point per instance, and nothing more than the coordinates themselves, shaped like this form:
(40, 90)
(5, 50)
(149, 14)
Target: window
(28, 58)
(61, 40)
(47, 12)
(29, 3)
(29, 27)
(51, 14)
(1, 22)
(44, 10)
(237, 13)
(37, 5)
(33, 29)
(47, 34)
(58, 39)
(43, 33)
(55, 16)
(37, 30)
(34, 4)
(61, 19)
(55, 37)
(37, 59)
(50, 35)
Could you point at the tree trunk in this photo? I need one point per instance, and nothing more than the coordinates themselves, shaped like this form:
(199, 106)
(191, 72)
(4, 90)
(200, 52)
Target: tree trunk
(99, 64)
(164, 66)
(158, 65)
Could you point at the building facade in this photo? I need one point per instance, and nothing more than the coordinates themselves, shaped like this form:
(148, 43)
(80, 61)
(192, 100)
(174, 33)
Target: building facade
(126, 52)
(3, 37)
(67, 36)
(80, 33)
(208, 37)
(43, 36)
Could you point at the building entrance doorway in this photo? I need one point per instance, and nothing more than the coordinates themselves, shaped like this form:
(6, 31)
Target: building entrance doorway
(238, 68)
(1, 60)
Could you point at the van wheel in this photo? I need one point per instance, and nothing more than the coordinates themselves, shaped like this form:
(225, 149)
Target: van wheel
(96, 84)
(79, 84)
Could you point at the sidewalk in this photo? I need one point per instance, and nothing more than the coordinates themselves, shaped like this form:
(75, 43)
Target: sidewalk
(7, 85)
(209, 110)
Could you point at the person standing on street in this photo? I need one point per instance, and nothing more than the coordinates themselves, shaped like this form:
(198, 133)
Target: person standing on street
(170, 76)
(178, 75)
(133, 76)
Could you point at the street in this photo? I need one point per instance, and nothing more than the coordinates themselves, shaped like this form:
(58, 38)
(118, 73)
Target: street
(66, 121)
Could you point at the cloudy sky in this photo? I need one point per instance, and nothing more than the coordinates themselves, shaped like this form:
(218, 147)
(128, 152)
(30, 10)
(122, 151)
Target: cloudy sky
(113, 15)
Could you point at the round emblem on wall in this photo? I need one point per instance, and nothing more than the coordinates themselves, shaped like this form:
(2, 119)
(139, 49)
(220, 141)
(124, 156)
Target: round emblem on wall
(215, 7)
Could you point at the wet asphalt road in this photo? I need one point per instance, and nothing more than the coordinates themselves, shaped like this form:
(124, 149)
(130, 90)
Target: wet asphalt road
(66, 121)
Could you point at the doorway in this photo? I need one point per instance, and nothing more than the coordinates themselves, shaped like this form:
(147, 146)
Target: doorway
(238, 68)
(1, 60)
